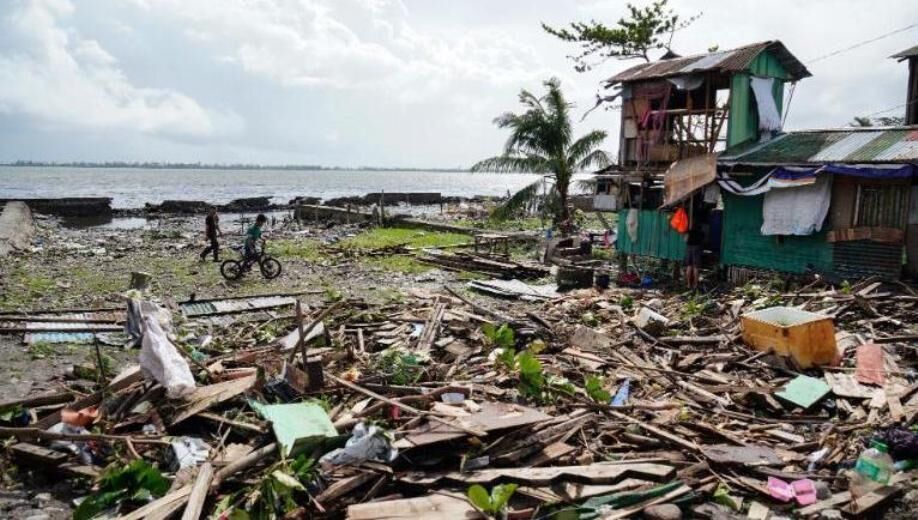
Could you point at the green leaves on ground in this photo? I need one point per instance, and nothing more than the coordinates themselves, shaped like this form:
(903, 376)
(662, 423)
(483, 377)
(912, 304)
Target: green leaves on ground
(499, 337)
(136, 482)
(594, 389)
(495, 502)
(532, 380)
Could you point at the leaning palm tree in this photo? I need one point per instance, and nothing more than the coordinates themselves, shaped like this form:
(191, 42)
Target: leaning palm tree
(540, 142)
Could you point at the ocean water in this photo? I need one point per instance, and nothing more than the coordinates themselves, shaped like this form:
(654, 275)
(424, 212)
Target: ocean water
(133, 187)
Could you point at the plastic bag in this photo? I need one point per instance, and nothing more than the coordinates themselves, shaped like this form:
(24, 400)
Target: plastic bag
(365, 444)
(680, 221)
(160, 360)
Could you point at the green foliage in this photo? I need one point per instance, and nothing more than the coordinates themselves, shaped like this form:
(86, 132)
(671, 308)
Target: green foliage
(694, 307)
(532, 379)
(594, 389)
(541, 142)
(379, 237)
(306, 249)
(492, 504)
(507, 359)
(136, 482)
(589, 319)
(332, 295)
(401, 367)
(846, 287)
(499, 337)
(8, 412)
(626, 303)
(645, 29)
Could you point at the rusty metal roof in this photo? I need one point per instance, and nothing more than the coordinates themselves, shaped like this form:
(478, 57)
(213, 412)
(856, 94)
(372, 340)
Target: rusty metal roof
(841, 145)
(733, 60)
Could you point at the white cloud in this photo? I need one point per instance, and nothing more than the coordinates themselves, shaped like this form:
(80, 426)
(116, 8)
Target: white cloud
(56, 75)
(348, 45)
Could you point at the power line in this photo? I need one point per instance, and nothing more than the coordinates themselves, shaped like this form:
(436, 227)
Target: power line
(860, 44)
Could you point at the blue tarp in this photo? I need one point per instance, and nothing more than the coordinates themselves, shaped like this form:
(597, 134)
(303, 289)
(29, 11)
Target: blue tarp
(870, 171)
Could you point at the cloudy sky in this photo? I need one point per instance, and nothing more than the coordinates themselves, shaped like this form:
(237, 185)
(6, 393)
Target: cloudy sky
(369, 82)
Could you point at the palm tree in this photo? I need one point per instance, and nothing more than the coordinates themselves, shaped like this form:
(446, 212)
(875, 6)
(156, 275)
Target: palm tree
(540, 142)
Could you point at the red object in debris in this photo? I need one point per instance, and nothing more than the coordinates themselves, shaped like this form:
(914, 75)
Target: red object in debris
(680, 221)
(84, 417)
(870, 368)
(395, 412)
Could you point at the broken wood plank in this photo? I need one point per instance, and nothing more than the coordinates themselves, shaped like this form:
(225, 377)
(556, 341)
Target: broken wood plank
(429, 506)
(199, 492)
(834, 500)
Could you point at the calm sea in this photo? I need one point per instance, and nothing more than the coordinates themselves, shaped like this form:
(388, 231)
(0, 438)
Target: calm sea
(133, 187)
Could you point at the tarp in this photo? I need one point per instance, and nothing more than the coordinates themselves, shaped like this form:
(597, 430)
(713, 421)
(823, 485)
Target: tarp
(688, 175)
(794, 176)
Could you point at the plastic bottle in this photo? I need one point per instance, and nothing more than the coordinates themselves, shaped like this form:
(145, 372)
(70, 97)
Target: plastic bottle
(873, 469)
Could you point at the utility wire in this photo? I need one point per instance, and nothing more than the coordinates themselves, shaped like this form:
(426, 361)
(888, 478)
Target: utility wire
(860, 44)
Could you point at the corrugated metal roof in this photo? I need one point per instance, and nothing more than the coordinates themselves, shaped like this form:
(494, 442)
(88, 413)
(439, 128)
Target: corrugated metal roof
(733, 60)
(842, 145)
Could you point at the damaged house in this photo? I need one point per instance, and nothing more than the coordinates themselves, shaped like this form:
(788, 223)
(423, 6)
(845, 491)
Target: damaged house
(702, 136)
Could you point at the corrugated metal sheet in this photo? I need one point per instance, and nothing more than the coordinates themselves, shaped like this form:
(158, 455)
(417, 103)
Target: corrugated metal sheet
(733, 60)
(863, 258)
(74, 338)
(197, 309)
(655, 237)
(744, 245)
(907, 53)
(844, 145)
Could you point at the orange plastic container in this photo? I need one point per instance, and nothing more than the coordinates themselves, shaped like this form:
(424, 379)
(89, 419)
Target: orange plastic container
(806, 337)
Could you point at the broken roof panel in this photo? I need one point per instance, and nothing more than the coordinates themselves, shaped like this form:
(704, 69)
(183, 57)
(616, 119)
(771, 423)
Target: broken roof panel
(841, 145)
(733, 60)
(906, 54)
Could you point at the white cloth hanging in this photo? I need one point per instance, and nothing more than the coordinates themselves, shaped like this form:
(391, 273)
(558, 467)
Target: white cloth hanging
(797, 211)
(769, 117)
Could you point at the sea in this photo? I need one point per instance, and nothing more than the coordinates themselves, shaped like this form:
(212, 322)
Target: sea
(134, 187)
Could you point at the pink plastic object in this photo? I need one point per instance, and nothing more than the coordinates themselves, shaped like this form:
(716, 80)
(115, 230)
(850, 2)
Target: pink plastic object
(780, 490)
(804, 491)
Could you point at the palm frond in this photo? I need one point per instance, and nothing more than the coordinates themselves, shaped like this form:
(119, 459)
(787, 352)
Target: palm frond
(596, 159)
(513, 164)
(584, 146)
(520, 201)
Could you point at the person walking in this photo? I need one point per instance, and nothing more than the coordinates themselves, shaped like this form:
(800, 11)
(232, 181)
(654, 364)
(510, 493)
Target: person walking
(212, 229)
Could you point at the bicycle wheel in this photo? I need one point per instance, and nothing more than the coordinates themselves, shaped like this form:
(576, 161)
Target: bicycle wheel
(231, 269)
(270, 268)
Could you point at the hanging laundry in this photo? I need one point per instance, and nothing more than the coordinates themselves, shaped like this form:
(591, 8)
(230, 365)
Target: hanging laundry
(797, 211)
(769, 117)
(631, 224)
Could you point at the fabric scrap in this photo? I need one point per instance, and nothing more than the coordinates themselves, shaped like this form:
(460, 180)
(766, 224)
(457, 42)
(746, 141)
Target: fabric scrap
(798, 211)
(769, 117)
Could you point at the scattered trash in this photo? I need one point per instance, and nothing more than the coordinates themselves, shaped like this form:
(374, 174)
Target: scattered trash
(160, 361)
(366, 443)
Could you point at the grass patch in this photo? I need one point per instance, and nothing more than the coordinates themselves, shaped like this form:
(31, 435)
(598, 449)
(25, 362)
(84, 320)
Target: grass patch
(387, 237)
(307, 249)
(24, 288)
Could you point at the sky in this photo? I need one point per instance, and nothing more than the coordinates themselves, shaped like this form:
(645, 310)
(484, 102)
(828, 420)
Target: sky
(413, 83)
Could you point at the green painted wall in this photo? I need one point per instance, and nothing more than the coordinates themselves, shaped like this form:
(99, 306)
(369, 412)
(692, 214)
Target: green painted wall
(655, 237)
(744, 121)
(744, 244)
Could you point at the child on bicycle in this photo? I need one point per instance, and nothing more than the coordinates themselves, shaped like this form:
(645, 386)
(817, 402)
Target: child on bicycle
(253, 235)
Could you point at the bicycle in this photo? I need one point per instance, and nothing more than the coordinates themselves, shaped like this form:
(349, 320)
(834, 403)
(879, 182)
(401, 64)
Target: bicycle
(269, 266)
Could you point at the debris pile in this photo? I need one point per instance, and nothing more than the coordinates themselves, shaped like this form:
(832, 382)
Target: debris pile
(592, 404)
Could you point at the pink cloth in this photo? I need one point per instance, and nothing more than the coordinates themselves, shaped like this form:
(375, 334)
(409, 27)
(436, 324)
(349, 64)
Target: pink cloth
(870, 367)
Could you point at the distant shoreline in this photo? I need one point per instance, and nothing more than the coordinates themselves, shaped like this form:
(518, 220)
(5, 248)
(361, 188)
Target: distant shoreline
(198, 166)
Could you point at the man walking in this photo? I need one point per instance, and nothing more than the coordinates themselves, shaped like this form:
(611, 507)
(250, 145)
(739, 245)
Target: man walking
(212, 229)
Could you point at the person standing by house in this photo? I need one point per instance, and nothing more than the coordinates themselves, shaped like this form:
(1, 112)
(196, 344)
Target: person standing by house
(212, 230)
(694, 244)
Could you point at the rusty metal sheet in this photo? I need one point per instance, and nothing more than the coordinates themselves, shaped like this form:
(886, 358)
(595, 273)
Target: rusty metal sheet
(600, 473)
(752, 455)
(493, 416)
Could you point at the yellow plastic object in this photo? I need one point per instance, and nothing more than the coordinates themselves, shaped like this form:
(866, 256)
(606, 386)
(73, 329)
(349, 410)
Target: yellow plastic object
(806, 337)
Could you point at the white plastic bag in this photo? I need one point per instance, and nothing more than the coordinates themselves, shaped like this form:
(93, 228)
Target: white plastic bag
(365, 444)
(160, 360)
